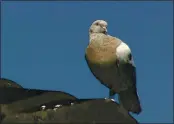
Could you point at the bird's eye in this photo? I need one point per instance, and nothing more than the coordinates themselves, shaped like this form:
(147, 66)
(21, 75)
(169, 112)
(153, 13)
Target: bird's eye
(97, 23)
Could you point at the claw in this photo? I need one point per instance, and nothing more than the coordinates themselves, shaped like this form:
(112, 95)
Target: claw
(109, 99)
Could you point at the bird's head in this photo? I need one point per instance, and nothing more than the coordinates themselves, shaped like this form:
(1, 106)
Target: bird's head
(98, 26)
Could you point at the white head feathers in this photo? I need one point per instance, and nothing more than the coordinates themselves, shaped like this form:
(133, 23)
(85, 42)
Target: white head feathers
(99, 26)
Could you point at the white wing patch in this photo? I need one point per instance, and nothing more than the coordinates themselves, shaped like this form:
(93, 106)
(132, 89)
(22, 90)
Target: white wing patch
(122, 52)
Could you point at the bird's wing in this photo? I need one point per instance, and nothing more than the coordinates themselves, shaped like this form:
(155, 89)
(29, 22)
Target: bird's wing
(129, 97)
(127, 72)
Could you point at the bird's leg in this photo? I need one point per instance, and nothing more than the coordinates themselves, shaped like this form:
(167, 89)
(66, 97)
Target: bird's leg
(111, 94)
(117, 63)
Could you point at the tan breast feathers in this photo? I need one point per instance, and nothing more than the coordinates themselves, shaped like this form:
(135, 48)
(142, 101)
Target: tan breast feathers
(103, 51)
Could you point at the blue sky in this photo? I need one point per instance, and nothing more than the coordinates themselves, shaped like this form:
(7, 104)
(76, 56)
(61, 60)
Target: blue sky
(43, 46)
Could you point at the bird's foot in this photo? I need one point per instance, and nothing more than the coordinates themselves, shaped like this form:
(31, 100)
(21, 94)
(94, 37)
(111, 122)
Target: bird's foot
(109, 99)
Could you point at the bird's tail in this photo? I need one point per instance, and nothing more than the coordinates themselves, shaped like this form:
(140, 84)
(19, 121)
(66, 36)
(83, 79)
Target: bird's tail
(130, 101)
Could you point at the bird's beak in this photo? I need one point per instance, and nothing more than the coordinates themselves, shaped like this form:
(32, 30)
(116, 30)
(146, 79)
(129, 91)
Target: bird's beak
(105, 29)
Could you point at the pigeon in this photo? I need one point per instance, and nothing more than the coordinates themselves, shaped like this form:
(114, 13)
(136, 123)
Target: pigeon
(111, 62)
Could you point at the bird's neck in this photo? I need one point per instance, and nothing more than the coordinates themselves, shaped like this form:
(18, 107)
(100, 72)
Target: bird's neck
(94, 36)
